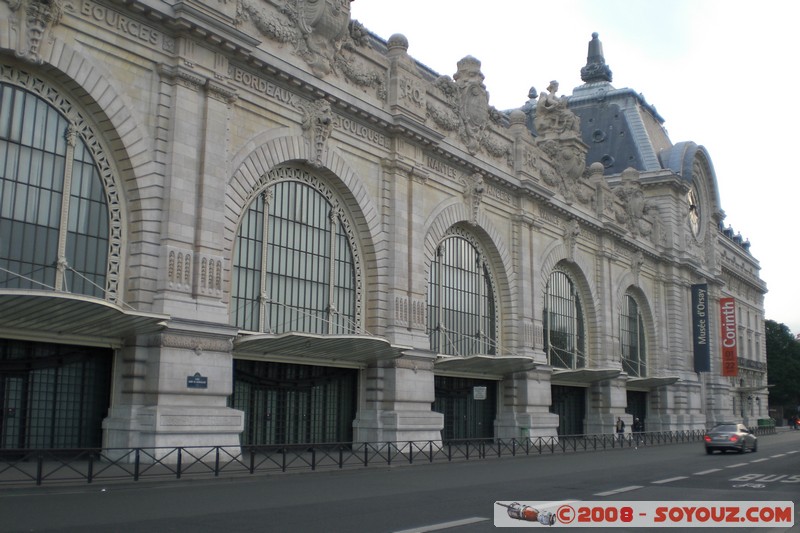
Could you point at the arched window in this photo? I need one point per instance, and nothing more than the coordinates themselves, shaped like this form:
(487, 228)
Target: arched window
(54, 215)
(461, 303)
(632, 338)
(565, 339)
(293, 262)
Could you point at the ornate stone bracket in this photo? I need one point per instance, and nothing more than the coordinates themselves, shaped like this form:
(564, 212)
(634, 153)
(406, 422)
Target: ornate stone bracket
(637, 261)
(474, 189)
(317, 125)
(34, 18)
(571, 232)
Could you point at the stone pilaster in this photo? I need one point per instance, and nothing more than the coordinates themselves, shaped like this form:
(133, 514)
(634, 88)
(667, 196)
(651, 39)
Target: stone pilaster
(171, 389)
(398, 397)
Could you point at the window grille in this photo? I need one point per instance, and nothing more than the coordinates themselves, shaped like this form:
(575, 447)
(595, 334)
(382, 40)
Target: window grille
(632, 339)
(55, 221)
(565, 339)
(294, 266)
(461, 302)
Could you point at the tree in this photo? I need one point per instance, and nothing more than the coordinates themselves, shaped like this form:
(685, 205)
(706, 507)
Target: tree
(783, 364)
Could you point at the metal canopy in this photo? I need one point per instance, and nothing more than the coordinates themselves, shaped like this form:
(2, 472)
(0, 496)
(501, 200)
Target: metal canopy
(748, 390)
(584, 375)
(48, 314)
(652, 382)
(358, 349)
(484, 364)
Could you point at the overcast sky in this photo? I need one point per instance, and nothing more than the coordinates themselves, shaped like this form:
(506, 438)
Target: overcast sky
(722, 73)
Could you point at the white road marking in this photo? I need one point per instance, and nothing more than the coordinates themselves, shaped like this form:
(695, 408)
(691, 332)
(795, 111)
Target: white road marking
(617, 491)
(760, 460)
(444, 525)
(704, 472)
(779, 455)
(736, 465)
(662, 481)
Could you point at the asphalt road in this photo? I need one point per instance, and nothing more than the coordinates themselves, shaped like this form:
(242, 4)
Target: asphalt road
(457, 497)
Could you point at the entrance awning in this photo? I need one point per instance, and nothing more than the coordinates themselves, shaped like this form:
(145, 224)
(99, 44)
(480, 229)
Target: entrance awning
(584, 375)
(748, 390)
(651, 382)
(484, 364)
(359, 349)
(49, 315)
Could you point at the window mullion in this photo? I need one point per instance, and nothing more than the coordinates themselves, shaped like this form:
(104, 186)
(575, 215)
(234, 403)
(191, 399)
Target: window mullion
(333, 219)
(440, 306)
(61, 266)
(264, 297)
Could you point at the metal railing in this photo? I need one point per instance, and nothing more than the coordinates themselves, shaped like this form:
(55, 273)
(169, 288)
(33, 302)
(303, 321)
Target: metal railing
(71, 466)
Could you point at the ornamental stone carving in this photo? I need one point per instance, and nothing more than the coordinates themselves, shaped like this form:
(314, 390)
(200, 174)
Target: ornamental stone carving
(474, 189)
(571, 232)
(468, 111)
(568, 157)
(320, 31)
(635, 208)
(33, 20)
(317, 125)
(552, 119)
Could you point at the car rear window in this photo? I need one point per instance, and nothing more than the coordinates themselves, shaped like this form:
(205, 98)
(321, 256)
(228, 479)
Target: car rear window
(727, 427)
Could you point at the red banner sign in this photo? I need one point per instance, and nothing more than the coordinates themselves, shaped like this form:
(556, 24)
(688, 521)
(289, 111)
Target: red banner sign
(727, 319)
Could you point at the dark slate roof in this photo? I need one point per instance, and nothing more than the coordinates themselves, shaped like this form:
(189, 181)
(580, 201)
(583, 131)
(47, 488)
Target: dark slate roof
(621, 129)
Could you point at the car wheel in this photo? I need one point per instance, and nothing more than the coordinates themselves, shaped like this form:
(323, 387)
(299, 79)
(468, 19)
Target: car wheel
(755, 447)
(743, 448)
(709, 451)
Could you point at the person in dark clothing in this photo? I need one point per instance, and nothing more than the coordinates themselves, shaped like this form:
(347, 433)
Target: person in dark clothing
(638, 429)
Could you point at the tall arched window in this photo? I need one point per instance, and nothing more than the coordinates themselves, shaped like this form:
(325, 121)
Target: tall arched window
(54, 215)
(461, 303)
(565, 339)
(293, 262)
(632, 338)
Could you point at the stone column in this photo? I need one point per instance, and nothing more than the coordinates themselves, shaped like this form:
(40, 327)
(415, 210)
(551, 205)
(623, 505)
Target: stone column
(526, 406)
(172, 389)
(398, 396)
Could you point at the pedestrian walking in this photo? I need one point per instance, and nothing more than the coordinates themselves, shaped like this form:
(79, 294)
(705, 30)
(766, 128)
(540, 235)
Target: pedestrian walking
(638, 429)
(620, 429)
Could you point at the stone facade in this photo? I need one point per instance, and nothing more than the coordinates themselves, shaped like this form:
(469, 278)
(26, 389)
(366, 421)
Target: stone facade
(194, 106)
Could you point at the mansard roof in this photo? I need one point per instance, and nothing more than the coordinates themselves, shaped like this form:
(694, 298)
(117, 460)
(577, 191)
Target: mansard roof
(622, 130)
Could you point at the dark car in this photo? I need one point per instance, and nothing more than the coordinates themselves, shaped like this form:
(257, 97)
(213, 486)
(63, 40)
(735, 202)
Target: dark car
(725, 437)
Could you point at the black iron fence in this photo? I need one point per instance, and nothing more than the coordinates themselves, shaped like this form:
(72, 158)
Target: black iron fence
(65, 466)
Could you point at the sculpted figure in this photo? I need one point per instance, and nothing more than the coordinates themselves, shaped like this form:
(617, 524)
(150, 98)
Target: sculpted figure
(552, 115)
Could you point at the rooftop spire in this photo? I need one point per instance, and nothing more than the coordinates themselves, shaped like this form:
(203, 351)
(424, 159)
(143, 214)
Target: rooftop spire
(596, 68)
